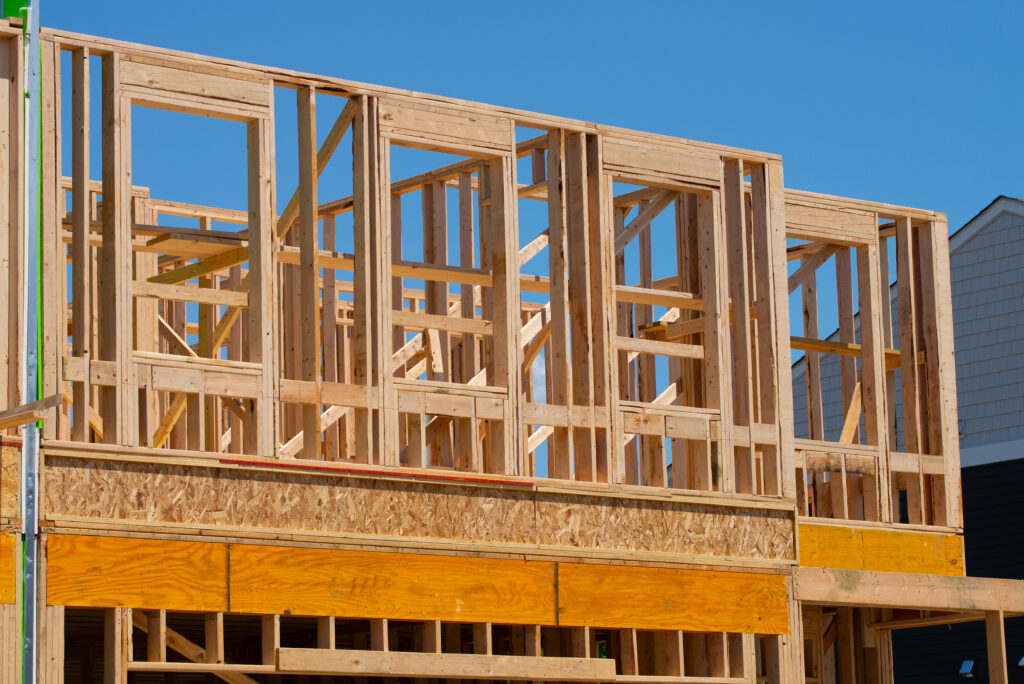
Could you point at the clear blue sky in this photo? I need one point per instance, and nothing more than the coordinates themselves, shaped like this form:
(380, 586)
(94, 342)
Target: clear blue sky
(916, 103)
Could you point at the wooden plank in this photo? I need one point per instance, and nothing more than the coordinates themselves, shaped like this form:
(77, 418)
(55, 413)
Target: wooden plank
(650, 296)
(259, 427)
(995, 641)
(116, 645)
(907, 306)
(820, 223)
(557, 358)
(578, 227)
(87, 571)
(691, 600)
(671, 349)
(868, 548)
(185, 293)
(308, 271)
(474, 326)
(9, 544)
(942, 369)
(768, 203)
(662, 160)
(717, 342)
(502, 236)
(830, 586)
(438, 126)
(219, 262)
(738, 275)
(27, 413)
(191, 81)
(305, 581)
(872, 379)
(115, 256)
(356, 663)
(81, 259)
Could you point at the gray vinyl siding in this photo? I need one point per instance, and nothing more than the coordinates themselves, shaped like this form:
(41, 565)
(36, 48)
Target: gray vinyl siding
(988, 323)
(987, 274)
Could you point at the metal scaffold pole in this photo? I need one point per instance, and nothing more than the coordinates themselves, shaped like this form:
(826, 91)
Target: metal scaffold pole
(32, 339)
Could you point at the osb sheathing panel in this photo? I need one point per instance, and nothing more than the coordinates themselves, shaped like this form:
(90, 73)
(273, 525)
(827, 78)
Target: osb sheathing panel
(663, 526)
(10, 482)
(119, 491)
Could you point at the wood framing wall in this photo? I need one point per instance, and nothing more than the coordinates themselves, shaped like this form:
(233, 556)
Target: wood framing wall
(474, 446)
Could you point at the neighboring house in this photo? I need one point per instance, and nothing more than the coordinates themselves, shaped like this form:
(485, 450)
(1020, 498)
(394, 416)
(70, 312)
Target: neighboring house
(987, 273)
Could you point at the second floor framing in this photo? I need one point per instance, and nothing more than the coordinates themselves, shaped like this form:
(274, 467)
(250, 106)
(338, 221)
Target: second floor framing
(541, 300)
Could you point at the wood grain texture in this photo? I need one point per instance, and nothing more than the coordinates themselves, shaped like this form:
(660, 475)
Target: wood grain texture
(10, 479)
(598, 522)
(88, 571)
(316, 582)
(191, 82)
(836, 586)
(105, 572)
(629, 155)
(818, 222)
(121, 491)
(294, 501)
(8, 567)
(443, 665)
(444, 126)
(663, 598)
(860, 548)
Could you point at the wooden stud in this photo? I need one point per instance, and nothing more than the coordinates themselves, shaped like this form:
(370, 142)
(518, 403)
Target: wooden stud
(995, 638)
(308, 268)
(156, 636)
(214, 637)
(270, 638)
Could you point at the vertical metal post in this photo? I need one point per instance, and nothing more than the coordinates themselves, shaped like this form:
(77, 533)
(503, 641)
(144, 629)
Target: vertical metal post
(30, 359)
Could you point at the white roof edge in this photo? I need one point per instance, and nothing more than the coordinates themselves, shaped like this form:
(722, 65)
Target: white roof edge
(999, 205)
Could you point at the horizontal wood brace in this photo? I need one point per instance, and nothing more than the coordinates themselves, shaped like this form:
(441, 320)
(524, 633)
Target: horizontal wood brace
(328, 393)
(344, 662)
(841, 348)
(564, 416)
(28, 413)
(900, 462)
(91, 571)
(79, 369)
(835, 447)
(829, 224)
(822, 461)
(196, 80)
(856, 547)
(219, 382)
(758, 433)
(628, 156)
(844, 587)
(440, 387)
(399, 269)
(418, 321)
(187, 103)
(483, 407)
(674, 349)
(667, 298)
(174, 360)
(184, 293)
(206, 266)
(672, 427)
